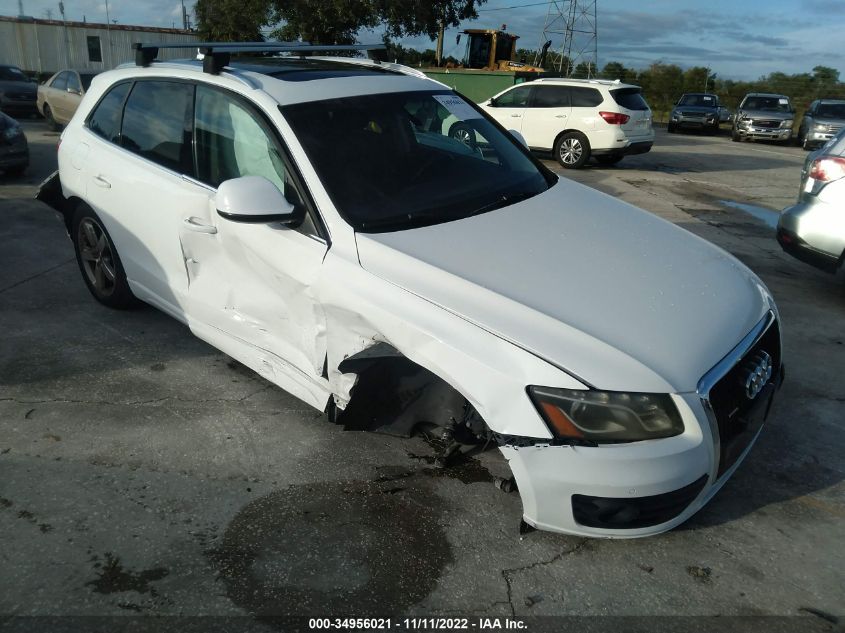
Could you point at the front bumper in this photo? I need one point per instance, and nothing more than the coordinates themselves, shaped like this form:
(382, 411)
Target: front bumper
(645, 488)
(694, 122)
(9, 104)
(768, 134)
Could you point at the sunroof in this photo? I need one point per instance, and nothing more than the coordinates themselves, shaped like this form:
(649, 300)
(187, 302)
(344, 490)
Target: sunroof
(304, 69)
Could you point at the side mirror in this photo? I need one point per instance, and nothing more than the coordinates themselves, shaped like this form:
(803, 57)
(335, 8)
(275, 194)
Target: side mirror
(492, 103)
(519, 137)
(254, 199)
(74, 91)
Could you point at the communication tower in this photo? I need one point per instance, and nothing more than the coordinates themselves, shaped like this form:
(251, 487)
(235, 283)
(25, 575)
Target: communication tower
(571, 26)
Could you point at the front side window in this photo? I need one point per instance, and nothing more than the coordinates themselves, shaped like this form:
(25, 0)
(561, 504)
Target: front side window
(551, 97)
(516, 98)
(95, 53)
(232, 142)
(393, 161)
(60, 82)
(157, 124)
(105, 119)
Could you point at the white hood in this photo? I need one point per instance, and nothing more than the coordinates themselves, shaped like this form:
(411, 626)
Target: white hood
(617, 297)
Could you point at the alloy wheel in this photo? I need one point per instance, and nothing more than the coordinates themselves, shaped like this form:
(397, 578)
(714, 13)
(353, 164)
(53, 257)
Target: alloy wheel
(96, 255)
(571, 151)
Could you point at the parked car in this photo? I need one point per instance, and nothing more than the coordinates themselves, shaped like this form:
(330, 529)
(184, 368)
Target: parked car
(696, 110)
(822, 121)
(14, 150)
(60, 95)
(763, 116)
(725, 115)
(577, 118)
(328, 235)
(813, 230)
(17, 91)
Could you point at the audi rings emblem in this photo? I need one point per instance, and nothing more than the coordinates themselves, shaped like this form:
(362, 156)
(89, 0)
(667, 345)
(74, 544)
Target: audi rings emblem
(759, 373)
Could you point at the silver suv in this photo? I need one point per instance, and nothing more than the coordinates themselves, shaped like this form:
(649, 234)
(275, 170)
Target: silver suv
(764, 116)
(822, 121)
(813, 230)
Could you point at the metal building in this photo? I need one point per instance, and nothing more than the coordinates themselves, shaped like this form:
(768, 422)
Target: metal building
(45, 46)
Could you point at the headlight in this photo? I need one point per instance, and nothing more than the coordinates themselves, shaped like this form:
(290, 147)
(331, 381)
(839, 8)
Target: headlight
(821, 127)
(787, 123)
(12, 132)
(604, 417)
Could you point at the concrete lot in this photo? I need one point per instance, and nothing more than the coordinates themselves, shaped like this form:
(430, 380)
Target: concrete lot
(145, 473)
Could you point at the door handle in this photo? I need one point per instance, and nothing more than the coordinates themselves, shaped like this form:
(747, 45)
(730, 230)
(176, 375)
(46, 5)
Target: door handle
(194, 224)
(102, 182)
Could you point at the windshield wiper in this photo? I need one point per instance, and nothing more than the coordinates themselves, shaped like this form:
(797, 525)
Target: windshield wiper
(505, 200)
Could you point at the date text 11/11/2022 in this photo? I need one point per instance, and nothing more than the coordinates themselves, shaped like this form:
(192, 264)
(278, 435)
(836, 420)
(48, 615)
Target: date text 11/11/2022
(417, 624)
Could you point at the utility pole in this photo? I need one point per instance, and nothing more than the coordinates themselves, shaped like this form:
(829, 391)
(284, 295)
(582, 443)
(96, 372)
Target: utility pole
(20, 8)
(64, 28)
(108, 33)
(439, 52)
(184, 17)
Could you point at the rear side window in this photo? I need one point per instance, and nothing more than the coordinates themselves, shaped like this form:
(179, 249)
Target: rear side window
(105, 120)
(157, 123)
(585, 97)
(629, 98)
(60, 82)
(551, 97)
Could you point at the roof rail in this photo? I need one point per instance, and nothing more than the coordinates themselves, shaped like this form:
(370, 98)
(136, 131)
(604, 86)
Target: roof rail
(216, 55)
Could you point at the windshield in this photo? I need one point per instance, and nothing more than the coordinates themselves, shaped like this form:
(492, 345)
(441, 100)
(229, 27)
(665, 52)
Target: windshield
(10, 73)
(831, 110)
(707, 101)
(769, 104)
(397, 161)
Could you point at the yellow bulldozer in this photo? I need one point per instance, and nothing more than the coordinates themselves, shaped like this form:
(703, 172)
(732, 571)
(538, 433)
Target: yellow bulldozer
(490, 49)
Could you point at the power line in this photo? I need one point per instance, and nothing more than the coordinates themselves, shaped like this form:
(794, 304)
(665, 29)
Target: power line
(516, 6)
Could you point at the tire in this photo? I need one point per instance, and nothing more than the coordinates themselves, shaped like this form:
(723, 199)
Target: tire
(464, 134)
(670, 128)
(48, 116)
(715, 129)
(572, 150)
(608, 160)
(735, 137)
(98, 260)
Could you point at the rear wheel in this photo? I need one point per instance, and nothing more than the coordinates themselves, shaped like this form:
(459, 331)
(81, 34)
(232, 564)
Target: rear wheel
(572, 150)
(608, 159)
(98, 260)
(734, 136)
(671, 128)
(51, 121)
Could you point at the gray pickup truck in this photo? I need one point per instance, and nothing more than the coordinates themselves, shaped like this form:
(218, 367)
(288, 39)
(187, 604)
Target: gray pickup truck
(764, 116)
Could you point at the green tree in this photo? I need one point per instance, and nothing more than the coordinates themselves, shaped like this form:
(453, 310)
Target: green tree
(338, 21)
(232, 20)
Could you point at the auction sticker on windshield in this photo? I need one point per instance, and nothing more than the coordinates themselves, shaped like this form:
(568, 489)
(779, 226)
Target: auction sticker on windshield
(457, 106)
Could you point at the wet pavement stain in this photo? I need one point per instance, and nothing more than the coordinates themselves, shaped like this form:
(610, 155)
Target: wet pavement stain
(334, 548)
(114, 579)
(465, 469)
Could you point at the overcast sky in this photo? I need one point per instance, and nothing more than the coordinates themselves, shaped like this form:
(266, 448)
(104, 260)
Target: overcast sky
(737, 39)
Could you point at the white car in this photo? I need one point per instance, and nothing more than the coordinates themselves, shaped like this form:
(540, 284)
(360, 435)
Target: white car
(577, 118)
(308, 217)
